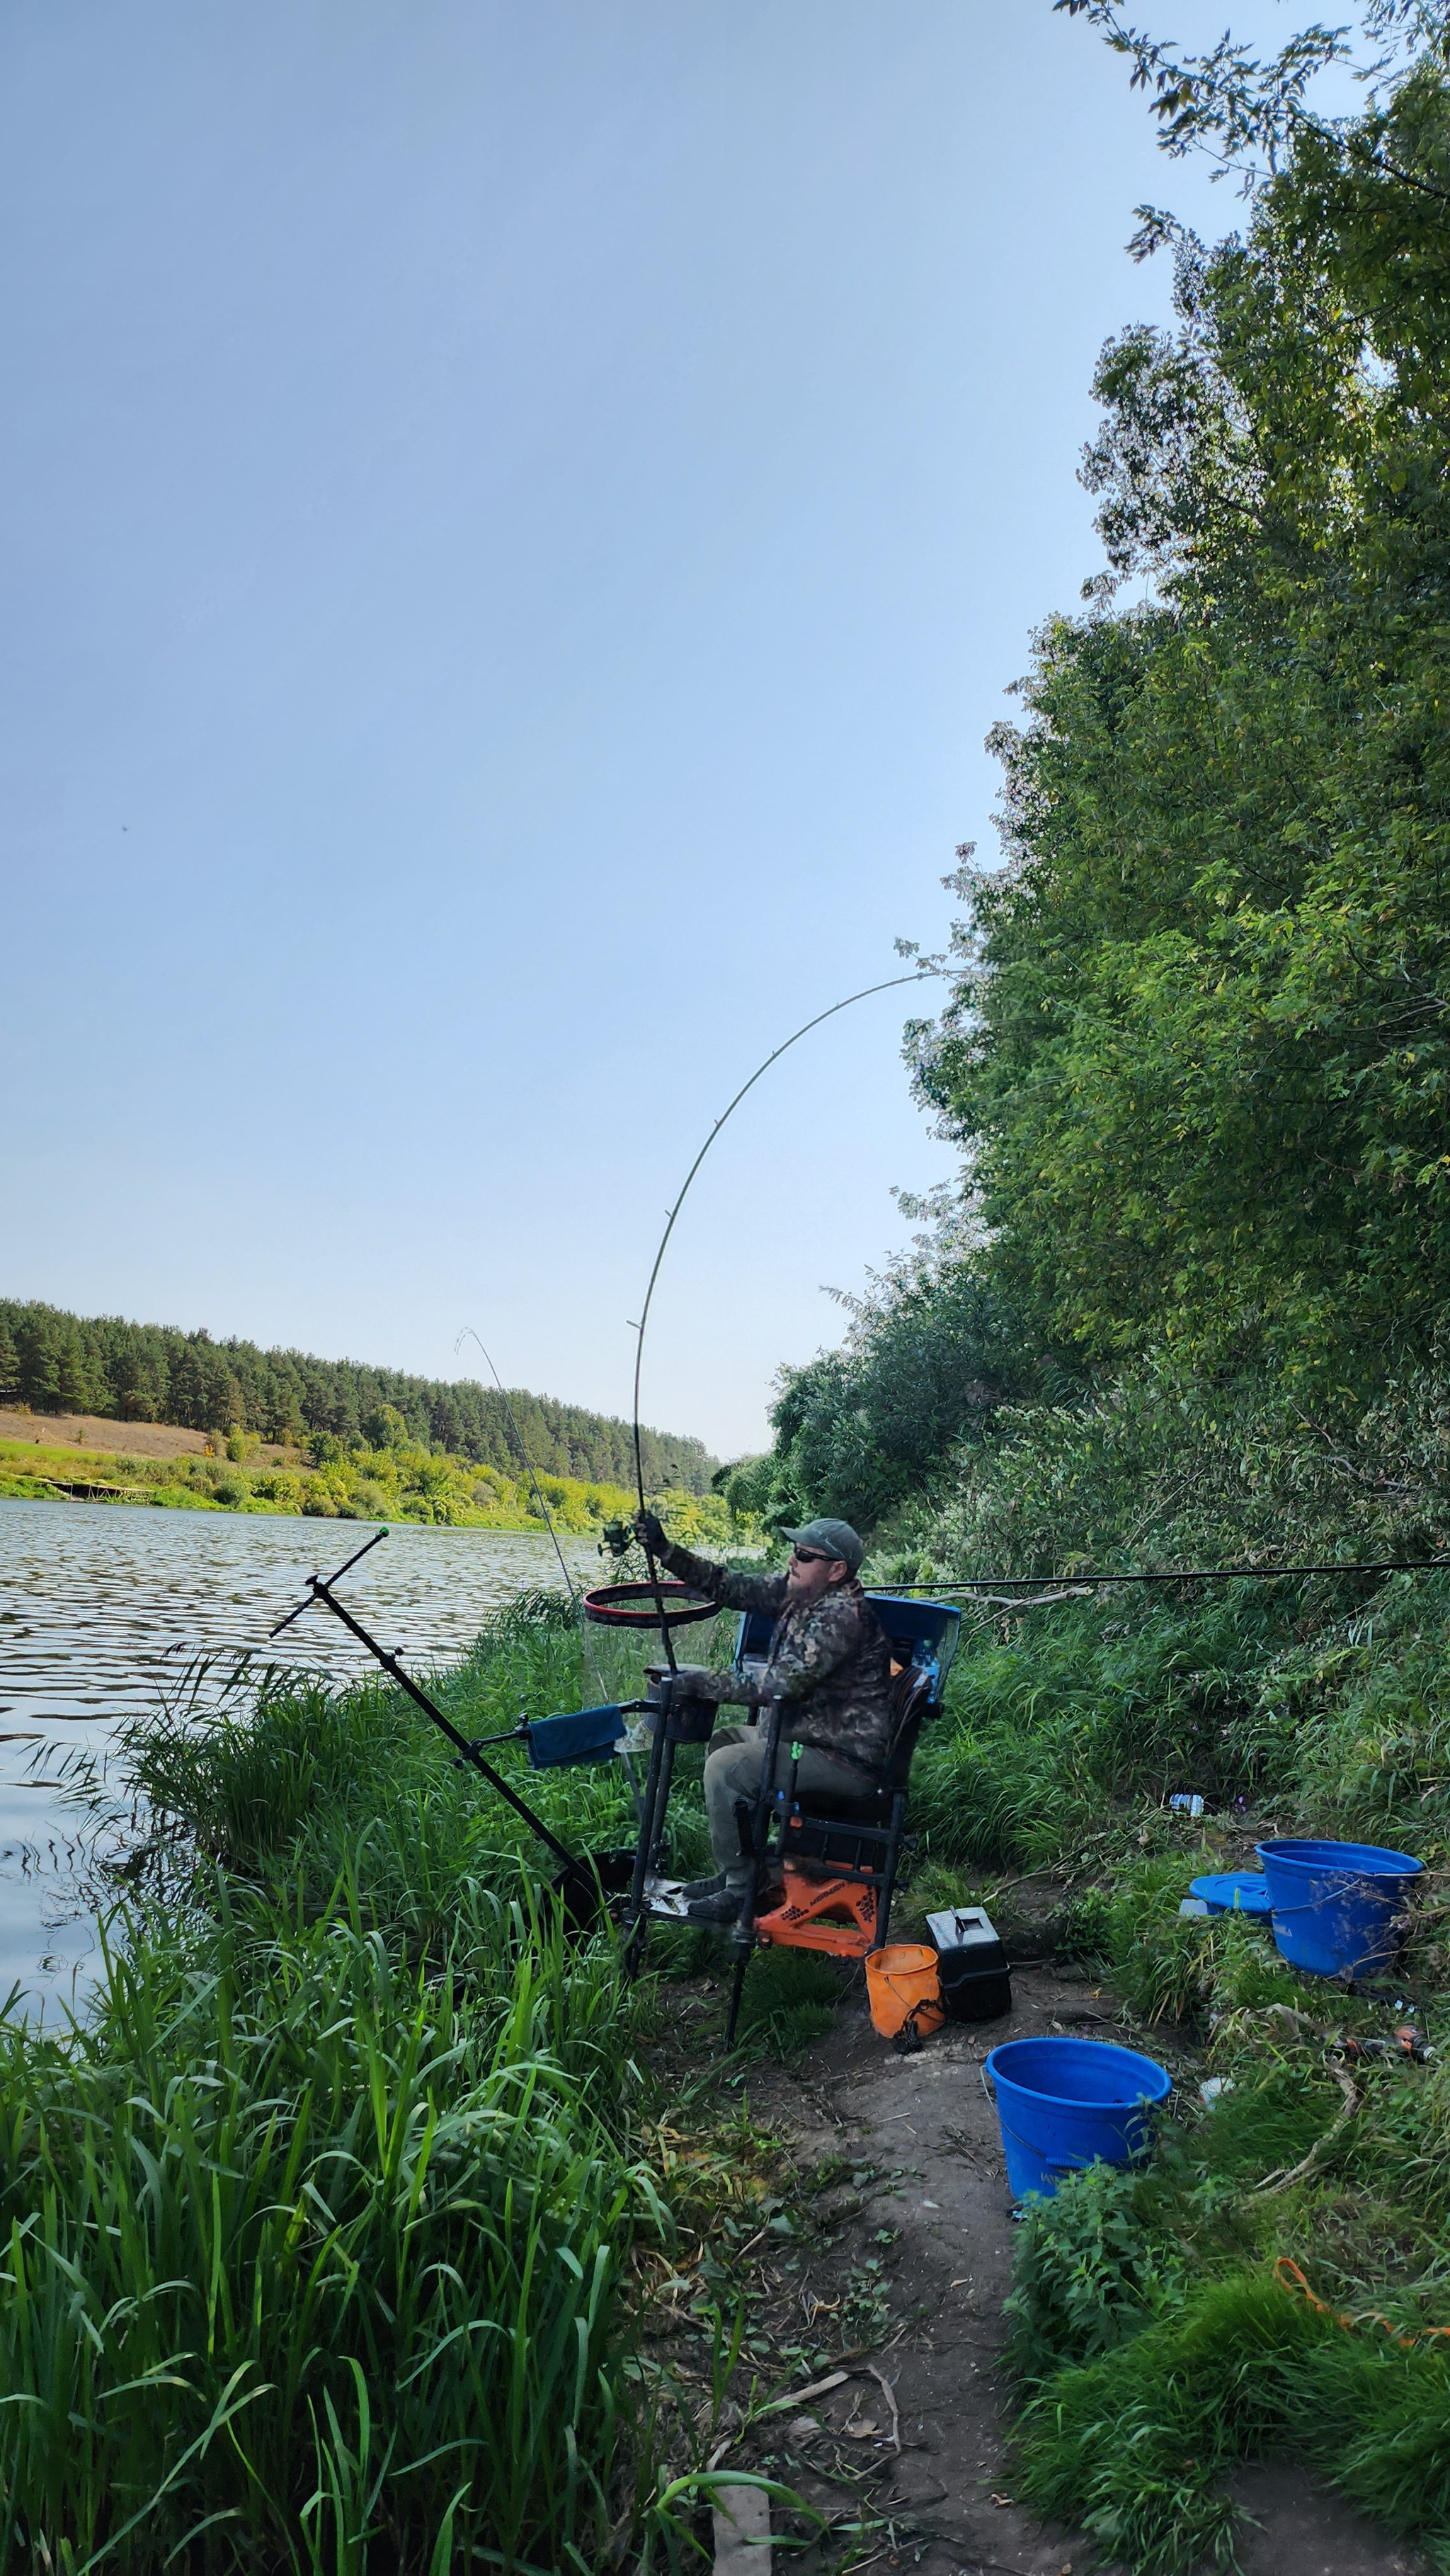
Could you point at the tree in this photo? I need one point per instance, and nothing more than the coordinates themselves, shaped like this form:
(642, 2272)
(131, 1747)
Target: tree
(1198, 1048)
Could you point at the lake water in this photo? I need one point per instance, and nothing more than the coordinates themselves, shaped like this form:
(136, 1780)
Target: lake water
(98, 1603)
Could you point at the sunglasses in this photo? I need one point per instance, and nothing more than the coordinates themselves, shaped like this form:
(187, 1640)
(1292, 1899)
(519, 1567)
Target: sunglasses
(810, 1556)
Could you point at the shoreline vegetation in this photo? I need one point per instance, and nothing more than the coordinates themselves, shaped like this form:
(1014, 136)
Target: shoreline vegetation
(1188, 1308)
(53, 1362)
(319, 2228)
(405, 1481)
(338, 2235)
(338, 2231)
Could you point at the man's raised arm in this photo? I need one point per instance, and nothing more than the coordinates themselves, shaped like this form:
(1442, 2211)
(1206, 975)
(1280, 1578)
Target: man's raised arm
(714, 1582)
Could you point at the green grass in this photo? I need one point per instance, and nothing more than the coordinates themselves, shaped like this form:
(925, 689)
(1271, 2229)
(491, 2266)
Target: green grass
(1156, 2346)
(285, 1778)
(1153, 2345)
(315, 2232)
(310, 2253)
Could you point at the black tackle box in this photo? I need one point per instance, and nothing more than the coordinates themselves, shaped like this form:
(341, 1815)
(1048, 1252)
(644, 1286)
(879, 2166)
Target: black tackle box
(976, 1982)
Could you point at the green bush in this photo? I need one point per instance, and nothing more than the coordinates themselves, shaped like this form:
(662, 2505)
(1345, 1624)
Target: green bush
(1084, 2274)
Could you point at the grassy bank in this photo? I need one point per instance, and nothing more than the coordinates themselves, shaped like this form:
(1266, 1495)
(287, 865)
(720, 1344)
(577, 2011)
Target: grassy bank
(407, 1482)
(320, 2234)
(1154, 2341)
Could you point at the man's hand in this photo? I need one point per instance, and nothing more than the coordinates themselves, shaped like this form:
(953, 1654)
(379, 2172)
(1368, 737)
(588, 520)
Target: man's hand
(650, 1532)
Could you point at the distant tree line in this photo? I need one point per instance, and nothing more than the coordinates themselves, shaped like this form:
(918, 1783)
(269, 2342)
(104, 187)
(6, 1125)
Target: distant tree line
(57, 1362)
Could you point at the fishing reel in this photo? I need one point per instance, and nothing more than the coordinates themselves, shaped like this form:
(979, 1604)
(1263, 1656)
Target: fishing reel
(616, 1539)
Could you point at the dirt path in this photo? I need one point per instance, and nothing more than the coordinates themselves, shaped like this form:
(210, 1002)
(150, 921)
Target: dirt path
(933, 2215)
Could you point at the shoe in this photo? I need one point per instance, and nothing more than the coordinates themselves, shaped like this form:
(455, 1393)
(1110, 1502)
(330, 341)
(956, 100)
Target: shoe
(694, 1887)
(722, 1908)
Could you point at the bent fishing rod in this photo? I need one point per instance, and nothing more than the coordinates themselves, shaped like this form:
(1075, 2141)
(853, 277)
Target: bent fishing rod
(319, 1588)
(919, 975)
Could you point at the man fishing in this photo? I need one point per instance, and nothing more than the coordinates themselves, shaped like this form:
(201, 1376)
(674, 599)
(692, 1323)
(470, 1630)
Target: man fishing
(830, 1662)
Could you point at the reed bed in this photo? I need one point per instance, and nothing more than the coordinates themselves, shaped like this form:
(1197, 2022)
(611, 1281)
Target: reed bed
(314, 2228)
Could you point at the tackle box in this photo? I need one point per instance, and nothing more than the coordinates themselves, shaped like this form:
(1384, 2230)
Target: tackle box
(972, 1970)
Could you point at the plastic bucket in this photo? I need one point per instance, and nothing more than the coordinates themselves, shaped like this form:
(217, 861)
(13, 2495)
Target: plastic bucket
(1234, 1891)
(1063, 2104)
(1337, 1906)
(902, 1985)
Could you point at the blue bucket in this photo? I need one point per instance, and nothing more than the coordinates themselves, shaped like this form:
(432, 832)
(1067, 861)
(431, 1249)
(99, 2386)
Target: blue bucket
(1337, 1906)
(1066, 2103)
(1234, 1891)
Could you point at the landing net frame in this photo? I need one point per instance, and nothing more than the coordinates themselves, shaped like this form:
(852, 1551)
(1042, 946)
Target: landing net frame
(646, 1605)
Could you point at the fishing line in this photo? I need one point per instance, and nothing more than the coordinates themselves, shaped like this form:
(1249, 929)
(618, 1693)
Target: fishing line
(918, 975)
(468, 1334)
(1183, 1574)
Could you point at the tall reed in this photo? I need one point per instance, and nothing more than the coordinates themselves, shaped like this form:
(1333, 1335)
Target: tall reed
(312, 2229)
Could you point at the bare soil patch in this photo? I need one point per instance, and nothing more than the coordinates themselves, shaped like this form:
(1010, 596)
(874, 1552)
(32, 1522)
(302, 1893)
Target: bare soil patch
(94, 1431)
(914, 2266)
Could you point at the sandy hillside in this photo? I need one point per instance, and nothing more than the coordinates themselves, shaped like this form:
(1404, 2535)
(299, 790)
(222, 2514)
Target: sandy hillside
(89, 1431)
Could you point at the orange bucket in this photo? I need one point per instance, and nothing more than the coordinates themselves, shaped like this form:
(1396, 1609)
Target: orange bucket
(902, 1986)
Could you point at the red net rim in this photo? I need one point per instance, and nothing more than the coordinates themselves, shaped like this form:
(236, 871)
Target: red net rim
(635, 1605)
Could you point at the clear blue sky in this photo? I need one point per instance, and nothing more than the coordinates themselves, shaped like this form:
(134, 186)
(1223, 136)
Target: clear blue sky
(518, 521)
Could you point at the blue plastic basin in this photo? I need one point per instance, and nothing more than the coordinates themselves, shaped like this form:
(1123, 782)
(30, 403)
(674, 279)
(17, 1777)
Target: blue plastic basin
(1338, 1907)
(1234, 1891)
(1066, 2103)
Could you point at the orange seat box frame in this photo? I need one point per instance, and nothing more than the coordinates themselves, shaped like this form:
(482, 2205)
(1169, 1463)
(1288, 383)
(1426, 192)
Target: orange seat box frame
(811, 1911)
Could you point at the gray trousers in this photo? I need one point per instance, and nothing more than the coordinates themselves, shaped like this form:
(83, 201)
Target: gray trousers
(733, 1767)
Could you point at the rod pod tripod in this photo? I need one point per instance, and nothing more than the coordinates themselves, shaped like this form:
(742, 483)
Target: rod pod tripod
(577, 1884)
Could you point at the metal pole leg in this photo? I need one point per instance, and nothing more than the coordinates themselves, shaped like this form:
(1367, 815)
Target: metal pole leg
(644, 1850)
(889, 1869)
(737, 1991)
(760, 1830)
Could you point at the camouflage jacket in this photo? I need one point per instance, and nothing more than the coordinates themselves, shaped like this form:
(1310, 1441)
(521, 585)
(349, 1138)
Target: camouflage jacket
(830, 1660)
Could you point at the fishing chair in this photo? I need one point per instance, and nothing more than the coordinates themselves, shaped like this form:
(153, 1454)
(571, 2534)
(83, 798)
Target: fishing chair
(838, 1856)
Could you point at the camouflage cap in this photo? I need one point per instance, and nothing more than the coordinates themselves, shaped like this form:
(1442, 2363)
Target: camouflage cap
(833, 1538)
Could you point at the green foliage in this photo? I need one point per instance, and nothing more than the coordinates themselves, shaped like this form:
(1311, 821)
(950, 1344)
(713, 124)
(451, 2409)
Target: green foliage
(1190, 1307)
(790, 2000)
(930, 1352)
(1132, 2444)
(1158, 2348)
(286, 1777)
(316, 2228)
(155, 1373)
(1267, 2122)
(1135, 2443)
(311, 2250)
(1198, 1050)
(1076, 1710)
(406, 1483)
(1084, 2275)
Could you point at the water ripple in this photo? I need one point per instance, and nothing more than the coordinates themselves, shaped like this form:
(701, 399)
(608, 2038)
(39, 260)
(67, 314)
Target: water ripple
(96, 1601)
